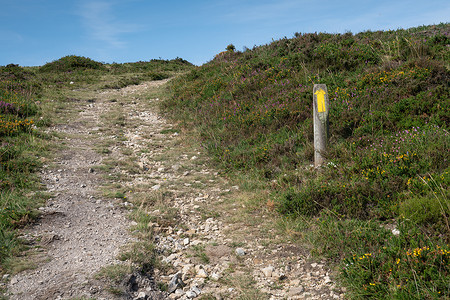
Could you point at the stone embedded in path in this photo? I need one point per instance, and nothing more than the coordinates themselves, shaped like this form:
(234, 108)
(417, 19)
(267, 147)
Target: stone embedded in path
(215, 277)
(201, 273)
(268, 271)
(194, 292)
(175, 283)
(240, 252)
(297, 290)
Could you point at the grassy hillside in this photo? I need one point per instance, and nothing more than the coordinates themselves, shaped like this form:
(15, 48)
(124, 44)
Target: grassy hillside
(388, 156)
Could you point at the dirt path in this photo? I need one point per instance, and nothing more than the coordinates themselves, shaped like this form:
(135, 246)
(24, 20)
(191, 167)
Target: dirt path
(214, 239)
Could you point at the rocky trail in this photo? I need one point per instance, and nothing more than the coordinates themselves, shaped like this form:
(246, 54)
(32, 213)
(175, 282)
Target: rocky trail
(211, 242)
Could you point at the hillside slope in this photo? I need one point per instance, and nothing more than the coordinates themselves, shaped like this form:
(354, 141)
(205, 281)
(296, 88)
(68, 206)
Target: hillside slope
(388, 156)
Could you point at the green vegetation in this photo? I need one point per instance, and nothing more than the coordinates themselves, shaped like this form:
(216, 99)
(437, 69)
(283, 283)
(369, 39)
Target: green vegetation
(71, 63)
(30, 99)
(19, 146)
(388, 158)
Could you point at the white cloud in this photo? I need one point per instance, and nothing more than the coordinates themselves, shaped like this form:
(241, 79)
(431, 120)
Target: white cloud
(102, 25)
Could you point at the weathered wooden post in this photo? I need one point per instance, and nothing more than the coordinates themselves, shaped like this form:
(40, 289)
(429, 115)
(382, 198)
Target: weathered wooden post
(321, 108)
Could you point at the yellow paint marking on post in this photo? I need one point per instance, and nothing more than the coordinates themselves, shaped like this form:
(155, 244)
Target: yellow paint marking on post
(321, 124)
(321, 100)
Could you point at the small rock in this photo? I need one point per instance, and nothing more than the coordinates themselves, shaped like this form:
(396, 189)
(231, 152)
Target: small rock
(313, 265)
(201, 273)
(176, 167)
(186, 241)
(327, 279)
(191, 294)
(91, 170)
(194, 157)
(293, 291)
(240, 252)
(156, 187)
(141, 296)
(6, 276)
(171, 257)
(395, 231)
(179, 292)
(83, 185)
(268, 271)
(175, 283)
(215, 276)
(187, 269)
(196, 290)
(142, 166)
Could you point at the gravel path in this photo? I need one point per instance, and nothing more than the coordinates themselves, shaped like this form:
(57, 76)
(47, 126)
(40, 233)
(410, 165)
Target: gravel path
(208, 233)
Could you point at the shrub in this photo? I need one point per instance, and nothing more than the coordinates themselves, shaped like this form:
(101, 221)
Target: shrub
(71, 63)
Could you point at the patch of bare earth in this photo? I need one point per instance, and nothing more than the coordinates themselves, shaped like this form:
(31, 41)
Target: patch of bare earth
(213, 241)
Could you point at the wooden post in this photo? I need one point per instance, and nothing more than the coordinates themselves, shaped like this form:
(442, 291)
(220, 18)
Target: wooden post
(320, 112)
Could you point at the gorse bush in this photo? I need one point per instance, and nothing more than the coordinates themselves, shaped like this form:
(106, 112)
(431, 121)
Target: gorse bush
(387, 158)
(71, 63)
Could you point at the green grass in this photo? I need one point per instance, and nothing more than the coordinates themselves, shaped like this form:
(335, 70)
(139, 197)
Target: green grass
(20, 145)
(387, 159)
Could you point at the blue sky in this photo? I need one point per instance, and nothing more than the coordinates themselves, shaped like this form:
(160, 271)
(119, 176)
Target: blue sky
(33, 32)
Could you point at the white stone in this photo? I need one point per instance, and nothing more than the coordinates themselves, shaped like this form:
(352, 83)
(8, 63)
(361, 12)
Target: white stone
(215, 276)
(186, 241)
(268, 271)
(201, 273)
(240, 252)
(196, 290)
(395, 231)
(156, 187)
